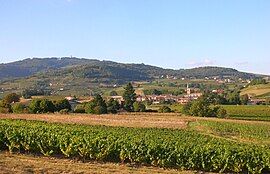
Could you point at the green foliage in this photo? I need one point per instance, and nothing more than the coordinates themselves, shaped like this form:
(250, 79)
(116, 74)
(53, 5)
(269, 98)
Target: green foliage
(11, 98)
(220, 112)
(46, 106)
(159, 147)
(139, 107)
(96, 106)
(201, 108)
(129, 97)
(79, 108)
(5, 107)
(164, 109)
(41, 106)
(64, 111)
(113, 93)
(113, 106)
(244, 99)
(214, 98)
(62, 104)
(248, 112)
(18, 108)
(257, 81)
(255, 132)
(233, 98)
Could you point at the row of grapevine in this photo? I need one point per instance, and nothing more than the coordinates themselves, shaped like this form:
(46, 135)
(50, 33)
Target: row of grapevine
(182, 149)
(248, 112)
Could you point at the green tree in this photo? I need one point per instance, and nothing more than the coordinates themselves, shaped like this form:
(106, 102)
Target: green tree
(201, 108)
(244, 99)
(129, 97)
(220, 112)
(18, 108)
(11, 98)
(46, 106)
(41, 106)
(96, 106)
(113, 106)
(139, 107)
(34, 106)
(233, 98)
(5, 107)
(62, 104)
(164, 109)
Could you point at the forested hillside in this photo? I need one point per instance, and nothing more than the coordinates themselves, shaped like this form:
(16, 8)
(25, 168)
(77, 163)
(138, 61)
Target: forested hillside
(107, 70)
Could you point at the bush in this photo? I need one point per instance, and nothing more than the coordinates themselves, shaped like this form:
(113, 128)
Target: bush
(62, 104)
(18, 108)
(139, 107)
(5, 107)
(201, 108)
(64, 111)
(221, 113)
(11, 98)
(79, 109)
(113, 106)
(41, 106)
(164, 109)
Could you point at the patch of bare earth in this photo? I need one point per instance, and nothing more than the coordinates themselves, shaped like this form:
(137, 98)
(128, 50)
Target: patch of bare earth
(151, 120)
(125, 120)
(28, 164)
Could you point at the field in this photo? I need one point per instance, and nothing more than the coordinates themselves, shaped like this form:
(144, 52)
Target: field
(262, 90)
(248, 112)
(146, 142)
(26, 164)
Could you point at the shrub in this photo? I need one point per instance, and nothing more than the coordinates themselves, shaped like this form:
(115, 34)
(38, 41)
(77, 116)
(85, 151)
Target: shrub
(221, 113)
(41, 106)
(164, 109)
(64, 111)
(18, 108)
(79, 109)
(139, 107)
(113, 106)
(11, 98)
(5, 107)
(62, 104)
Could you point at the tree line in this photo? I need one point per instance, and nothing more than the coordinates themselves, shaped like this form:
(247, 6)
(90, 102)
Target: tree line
(11, 104)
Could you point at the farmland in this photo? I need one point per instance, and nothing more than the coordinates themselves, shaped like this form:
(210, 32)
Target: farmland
(261, 90)
(144, 143)
(248, 112)
(21, 164)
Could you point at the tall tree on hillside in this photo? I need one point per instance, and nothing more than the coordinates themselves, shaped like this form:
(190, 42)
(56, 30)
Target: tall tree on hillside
(129, 97)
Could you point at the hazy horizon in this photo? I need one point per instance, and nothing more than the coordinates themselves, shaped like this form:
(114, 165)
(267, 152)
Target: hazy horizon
(170, 34)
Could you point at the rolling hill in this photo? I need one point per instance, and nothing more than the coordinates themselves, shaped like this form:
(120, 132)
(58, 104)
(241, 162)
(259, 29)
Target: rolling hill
(80, 76)
(107, 70)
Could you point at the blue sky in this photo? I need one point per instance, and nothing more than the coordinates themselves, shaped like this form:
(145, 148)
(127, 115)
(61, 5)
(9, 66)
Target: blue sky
(167, 33)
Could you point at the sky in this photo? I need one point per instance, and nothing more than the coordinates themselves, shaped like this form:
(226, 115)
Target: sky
(167, 33)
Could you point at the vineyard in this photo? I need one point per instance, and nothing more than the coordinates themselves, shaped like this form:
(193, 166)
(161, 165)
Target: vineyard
(183, 149)
(254, 133)
(248, 112)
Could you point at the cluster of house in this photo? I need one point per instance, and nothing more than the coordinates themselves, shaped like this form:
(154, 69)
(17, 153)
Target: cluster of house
(192, 94)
